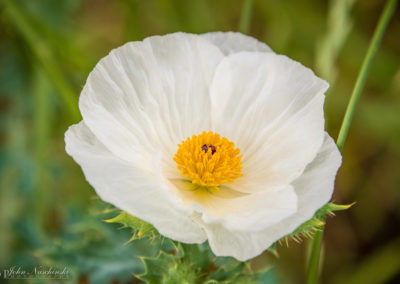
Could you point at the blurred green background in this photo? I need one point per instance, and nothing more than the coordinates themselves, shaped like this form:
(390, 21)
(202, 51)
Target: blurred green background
(48, 212)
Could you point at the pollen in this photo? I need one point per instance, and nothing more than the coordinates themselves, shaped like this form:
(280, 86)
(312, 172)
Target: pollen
(208, 159)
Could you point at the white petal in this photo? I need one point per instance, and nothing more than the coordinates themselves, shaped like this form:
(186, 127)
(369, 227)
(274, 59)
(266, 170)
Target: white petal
(314, 188)
(240, 245)
(133, 189)
(272, 108)
(233, 42)
(146, 97)
(238, 211)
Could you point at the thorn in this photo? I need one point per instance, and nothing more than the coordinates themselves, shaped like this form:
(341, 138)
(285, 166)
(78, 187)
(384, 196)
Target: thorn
(130, 240)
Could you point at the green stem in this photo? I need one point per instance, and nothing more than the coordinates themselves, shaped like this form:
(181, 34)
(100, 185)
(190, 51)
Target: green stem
(313, 263)
(362, 76)
(245, 17)
(313, 267)
(44, 55)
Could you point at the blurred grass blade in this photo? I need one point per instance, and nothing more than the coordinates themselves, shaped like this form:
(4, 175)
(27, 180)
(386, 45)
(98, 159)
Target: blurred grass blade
(245, 17)
(313, 267)
(44, 55)
(339, 27)
(41, 133)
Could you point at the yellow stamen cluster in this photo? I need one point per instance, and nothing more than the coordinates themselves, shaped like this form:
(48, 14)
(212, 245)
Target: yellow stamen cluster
(209, 160)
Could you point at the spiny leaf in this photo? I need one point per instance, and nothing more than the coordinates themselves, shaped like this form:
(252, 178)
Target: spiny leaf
(191, 263)
(167, 268)
(272, 249)
(195, 256)
(329, 208)
(140, 228)
(308, 228)
(233, 271)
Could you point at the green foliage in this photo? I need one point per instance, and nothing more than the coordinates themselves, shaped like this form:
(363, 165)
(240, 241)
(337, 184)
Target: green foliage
(139, 227)
(190, 264)
(90, 247)
(167, 269)
(232, 271)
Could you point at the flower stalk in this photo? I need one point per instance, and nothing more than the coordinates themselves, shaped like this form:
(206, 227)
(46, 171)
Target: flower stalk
(362, 76)
(386, 15)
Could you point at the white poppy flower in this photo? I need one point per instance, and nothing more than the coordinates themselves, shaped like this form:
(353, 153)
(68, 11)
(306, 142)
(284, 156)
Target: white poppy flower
(207, 137)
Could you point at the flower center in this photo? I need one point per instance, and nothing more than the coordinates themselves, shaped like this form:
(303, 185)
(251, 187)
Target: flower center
(209, 160)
